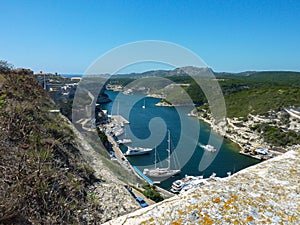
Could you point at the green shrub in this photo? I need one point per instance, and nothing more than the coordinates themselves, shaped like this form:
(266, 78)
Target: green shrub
(151, 192)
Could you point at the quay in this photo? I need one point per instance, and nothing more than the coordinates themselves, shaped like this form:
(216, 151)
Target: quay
(251, 155)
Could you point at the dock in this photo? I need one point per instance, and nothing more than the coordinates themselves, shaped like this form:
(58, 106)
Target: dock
(260, 156)
(149, 181)
(251, 155)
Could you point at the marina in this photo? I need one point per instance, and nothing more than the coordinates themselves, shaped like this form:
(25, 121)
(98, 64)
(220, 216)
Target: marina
(136, 127)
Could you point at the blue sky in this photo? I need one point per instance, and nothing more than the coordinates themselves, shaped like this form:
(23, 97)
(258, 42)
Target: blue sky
(67, 36)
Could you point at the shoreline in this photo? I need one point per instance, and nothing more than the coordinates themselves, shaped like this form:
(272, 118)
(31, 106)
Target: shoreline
(165, 104)
(240, 133)
(216, 128)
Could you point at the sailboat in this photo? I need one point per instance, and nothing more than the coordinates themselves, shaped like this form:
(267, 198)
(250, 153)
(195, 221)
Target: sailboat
(144, 106)
(165, 172)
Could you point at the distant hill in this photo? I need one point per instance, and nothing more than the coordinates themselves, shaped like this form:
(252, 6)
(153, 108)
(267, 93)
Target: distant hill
(246, 73)
(230, 83)
(182, 71)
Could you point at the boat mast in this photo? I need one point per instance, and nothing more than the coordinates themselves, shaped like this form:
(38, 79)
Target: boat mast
(155, 158)
(118, 107)
(169, 150)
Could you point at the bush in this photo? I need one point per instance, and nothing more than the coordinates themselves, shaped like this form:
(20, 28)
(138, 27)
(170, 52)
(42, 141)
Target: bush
(151, 192)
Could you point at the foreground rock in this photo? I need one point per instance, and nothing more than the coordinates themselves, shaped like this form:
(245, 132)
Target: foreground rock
(267, 193)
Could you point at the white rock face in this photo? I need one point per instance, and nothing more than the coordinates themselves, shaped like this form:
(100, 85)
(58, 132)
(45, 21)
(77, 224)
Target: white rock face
(267, 193)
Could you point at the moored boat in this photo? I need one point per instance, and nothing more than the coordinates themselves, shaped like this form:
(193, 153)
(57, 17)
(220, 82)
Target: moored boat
(194, 184)
(124, 141)
(178, 185)
(137, 151)
(165, 172)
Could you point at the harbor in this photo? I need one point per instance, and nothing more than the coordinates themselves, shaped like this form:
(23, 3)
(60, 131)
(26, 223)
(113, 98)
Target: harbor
(135, 127)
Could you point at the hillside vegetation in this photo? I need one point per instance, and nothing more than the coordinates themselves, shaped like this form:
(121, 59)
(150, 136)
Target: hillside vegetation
(259, 101)
(276, 89)
(44, 179)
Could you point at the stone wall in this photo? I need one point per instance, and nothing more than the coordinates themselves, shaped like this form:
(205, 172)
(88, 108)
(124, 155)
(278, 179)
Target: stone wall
(267, 193)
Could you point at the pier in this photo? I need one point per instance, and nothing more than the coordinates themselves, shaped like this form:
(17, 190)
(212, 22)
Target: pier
(143, 175)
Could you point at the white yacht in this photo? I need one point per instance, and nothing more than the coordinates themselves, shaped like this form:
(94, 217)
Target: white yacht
(191, 182)
(161, 173)
(209, 148)
(124, 141)
(137, 151)
(178, 185)
(194, 184)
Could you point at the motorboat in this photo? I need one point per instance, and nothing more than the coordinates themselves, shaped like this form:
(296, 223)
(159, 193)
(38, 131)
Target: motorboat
(209, 148)
(178, 185)
(124, 141)
(137, 151)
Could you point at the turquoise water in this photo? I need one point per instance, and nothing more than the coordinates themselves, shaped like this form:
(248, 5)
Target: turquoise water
(148, 128)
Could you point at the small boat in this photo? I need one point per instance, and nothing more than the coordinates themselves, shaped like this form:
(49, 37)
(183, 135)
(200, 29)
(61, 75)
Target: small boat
(209, 148)
(137, 151)
(144, 106)
(124, 141)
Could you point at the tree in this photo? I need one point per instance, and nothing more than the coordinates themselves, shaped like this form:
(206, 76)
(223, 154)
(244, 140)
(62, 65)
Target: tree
(5, 67)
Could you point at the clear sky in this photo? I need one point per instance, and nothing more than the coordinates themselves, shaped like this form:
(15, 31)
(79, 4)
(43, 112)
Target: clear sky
(67, 36)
